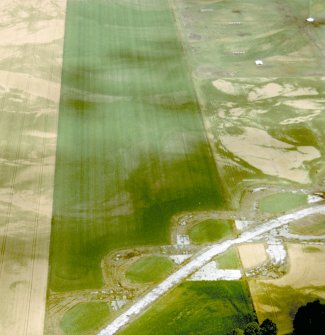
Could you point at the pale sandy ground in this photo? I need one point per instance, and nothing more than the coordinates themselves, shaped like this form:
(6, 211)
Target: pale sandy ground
(306, 275)
(267, 91)
(252, 254)
(271, 90)
(306, 268)
(30, 85)
(271, 156)
(29, 95)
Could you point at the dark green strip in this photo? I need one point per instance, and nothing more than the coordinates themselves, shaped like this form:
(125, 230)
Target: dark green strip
(131, 146)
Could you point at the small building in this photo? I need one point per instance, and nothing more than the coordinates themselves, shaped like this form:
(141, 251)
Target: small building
(259, 62)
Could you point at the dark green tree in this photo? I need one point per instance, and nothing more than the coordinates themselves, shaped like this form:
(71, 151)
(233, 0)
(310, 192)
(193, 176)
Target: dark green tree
(310, 319)
(236, 331)
(252, 328)
(268, 327)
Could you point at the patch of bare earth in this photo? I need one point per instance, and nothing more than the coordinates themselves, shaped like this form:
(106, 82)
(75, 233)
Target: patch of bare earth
(252, 254)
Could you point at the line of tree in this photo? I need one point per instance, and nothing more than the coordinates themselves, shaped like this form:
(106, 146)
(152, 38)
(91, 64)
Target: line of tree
(267, 327)
(309, 319)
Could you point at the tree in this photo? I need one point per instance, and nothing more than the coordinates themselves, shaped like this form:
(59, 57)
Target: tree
(252, 328)
(309, 319)
(268, 327)
(236, 331)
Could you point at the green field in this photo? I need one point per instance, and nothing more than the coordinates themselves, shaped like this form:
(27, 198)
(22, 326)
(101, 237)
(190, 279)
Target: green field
(131, 148)
(308, 228)
(280, 202)
(228, 260)
(210, 231)
(84, 317)
(209, 308)
(149, 269)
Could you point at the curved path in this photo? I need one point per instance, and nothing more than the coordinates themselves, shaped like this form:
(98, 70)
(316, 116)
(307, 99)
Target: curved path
(198, 261)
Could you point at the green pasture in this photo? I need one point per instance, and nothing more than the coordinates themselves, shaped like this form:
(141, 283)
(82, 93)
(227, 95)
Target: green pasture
(228, 260)
(210, 231)
(308, 228)
(131, 148)
(280, 202)
(149, 269)
(84, 317)
(209, 308)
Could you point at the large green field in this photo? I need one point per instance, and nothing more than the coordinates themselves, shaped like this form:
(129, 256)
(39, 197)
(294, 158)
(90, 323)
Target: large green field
(131, 148)
(206, 308)
(84, 317)
(280, 202)
(149, 269)
(210, 231)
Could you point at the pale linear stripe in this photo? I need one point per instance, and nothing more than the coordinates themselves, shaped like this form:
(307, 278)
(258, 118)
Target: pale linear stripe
(204, 257)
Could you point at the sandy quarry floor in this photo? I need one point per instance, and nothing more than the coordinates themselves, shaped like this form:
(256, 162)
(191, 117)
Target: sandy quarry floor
(29, 95)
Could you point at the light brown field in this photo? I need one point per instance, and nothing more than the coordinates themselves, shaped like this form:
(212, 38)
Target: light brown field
(307, 268)
(29, 95)
(252, 254)
(279, 299)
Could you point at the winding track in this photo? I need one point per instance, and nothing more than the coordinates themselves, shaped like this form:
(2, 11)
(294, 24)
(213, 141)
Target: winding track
(201, 259)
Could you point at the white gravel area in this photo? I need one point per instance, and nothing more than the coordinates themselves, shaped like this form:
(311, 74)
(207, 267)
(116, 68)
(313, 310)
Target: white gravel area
(243, 224)
(276, 250)
(182, 240)
(314, 198)
(211, 272)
